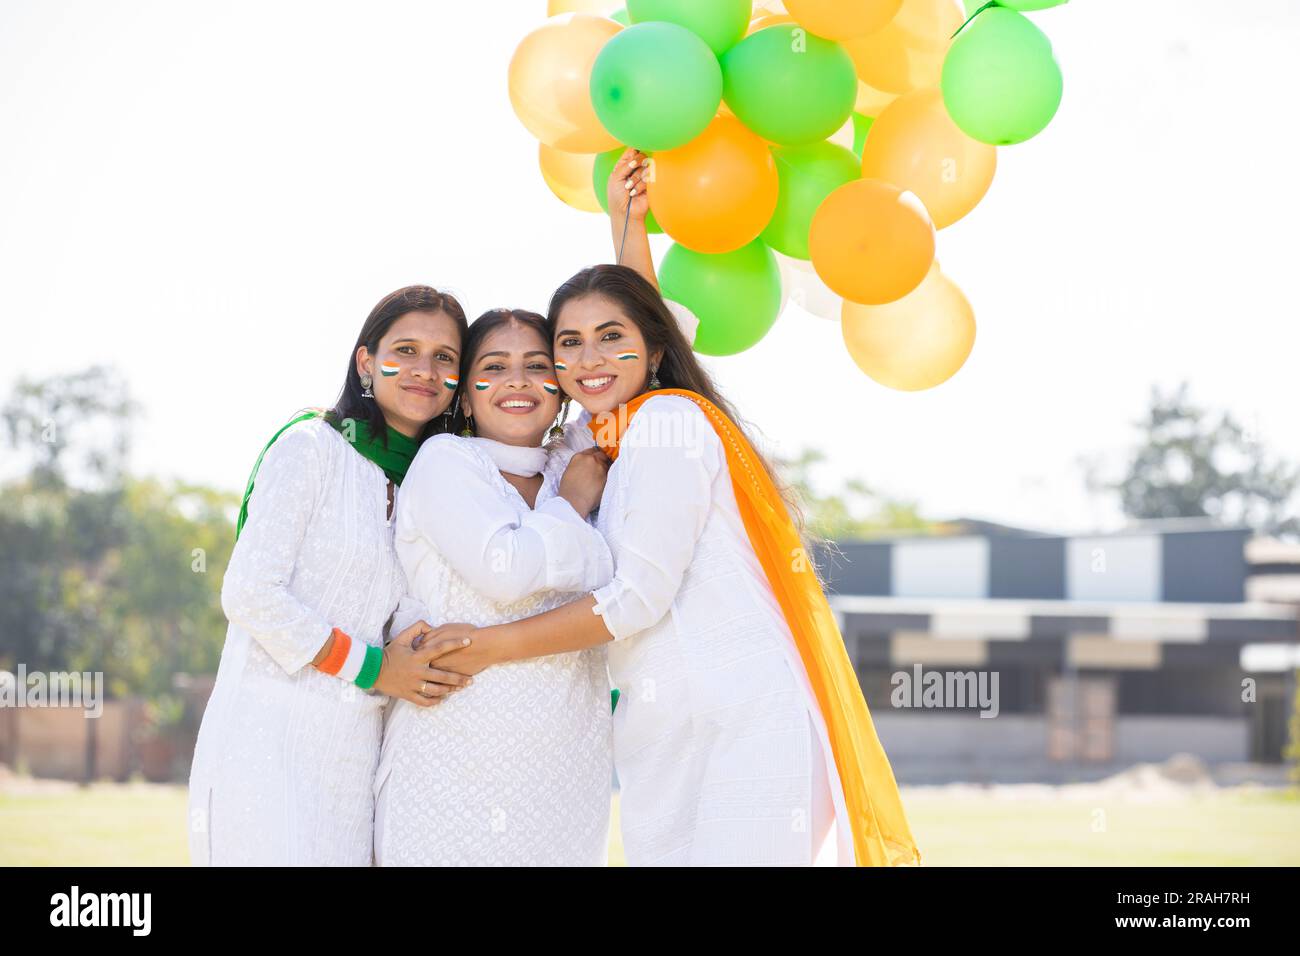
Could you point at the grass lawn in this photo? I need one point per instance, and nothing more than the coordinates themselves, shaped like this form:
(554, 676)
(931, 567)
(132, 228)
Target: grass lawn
(141, 824)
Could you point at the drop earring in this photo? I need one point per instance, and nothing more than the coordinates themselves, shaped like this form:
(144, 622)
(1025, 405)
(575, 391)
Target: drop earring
(449, 415)
(366, 382)
(467, 431)
(557, 430)
(654, 379)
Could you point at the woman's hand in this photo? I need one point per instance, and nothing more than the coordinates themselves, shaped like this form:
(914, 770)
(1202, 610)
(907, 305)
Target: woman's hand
(472, 649)
(408, 671)
(627, 184)
(584, 480)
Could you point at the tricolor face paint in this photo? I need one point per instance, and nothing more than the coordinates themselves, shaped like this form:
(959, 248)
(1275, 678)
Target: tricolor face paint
(628, 356)
(561, 367)
(482, 385)
(389, 369)
(552, 388)
(451, 381)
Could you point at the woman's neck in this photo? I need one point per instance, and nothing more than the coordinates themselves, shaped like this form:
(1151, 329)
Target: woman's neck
(527, 487)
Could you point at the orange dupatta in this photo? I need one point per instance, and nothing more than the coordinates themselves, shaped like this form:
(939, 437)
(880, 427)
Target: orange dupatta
(881, 836)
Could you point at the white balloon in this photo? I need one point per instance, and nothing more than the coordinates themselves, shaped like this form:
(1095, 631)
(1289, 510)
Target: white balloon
(801, 285)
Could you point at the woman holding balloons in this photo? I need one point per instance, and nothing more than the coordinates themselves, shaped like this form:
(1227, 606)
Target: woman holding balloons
(741, 736)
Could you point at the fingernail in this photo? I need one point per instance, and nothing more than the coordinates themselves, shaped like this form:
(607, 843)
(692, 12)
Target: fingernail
(464, 642)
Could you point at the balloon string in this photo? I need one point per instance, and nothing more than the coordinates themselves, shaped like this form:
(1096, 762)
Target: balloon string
(991, 3)
(622, 242)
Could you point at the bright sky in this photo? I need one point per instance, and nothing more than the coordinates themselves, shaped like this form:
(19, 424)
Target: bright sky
(212, 196)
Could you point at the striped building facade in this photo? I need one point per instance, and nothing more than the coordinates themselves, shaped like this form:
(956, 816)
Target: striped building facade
(1094, 652)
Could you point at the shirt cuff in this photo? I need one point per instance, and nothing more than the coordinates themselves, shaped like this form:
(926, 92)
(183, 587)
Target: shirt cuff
(607, 609)
(558, 507)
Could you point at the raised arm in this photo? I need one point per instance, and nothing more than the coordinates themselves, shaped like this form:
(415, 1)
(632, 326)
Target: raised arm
(627, 185)
(502, 549)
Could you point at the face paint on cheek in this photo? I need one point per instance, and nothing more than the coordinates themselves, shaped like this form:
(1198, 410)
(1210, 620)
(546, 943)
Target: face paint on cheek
(561, 367)
(482, 385)
(451, 381)
(389, 369)
(552, 388)
(627, 356)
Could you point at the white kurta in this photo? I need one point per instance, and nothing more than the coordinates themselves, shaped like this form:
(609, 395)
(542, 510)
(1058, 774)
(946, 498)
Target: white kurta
(285, 759)
(514, 770)
(721, 750)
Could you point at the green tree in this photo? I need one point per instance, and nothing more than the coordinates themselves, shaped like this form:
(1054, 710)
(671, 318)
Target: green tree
(855, 511)
(1195, 463)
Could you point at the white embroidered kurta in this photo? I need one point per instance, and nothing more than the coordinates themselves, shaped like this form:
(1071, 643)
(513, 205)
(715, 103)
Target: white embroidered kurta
(284, 764)
(721, 752)
(514, 770)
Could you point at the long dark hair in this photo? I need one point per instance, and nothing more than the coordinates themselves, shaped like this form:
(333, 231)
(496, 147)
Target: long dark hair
(413, 298)
(479, 330)
(642, 304)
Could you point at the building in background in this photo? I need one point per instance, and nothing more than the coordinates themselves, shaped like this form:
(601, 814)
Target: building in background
(1109, 649)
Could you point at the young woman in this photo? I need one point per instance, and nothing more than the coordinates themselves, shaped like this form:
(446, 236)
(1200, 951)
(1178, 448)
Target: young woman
(516, 770)
(284, 765)
(742, 736)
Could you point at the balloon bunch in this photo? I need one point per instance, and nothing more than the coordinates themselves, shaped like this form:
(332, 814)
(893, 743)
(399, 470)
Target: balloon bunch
(804, 149)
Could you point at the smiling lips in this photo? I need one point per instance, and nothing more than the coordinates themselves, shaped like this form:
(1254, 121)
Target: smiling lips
(596, 384)
(518, 405)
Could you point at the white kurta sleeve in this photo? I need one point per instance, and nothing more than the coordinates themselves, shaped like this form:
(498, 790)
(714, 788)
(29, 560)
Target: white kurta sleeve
(669, 458)
(503, 550)
(255, 592)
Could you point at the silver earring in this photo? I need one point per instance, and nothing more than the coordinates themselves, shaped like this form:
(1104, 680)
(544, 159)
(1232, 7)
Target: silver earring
(654, 379)
(366, 382)
(557, 430)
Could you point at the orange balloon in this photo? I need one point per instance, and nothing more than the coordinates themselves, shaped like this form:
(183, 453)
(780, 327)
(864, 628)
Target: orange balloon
(918, 342)
(915, 145)
(717, 192)
(569, 176)
(871, 242)
(842, 19)
(550, 82)
(601, 7)
(907, 53)
(871, 100)
(765, 20)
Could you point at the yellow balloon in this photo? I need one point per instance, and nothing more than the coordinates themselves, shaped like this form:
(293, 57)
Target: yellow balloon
(600, 7)
(842, 19)
(569, 176)
(550, 82)
(907, 53)
(916, 342)
(915, 145)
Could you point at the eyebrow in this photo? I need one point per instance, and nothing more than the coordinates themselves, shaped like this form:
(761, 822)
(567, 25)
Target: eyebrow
(445, 348)
(526, 354)
(603, 325)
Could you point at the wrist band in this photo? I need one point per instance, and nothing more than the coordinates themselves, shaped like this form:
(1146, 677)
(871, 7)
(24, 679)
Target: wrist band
(353, 660)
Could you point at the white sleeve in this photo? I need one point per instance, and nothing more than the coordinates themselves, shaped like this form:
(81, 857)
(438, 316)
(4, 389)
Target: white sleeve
(502, 549)
(668, 458)
(255, 593)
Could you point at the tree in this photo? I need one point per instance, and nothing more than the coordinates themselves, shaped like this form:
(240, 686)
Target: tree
(854, 512)
(1194, 463)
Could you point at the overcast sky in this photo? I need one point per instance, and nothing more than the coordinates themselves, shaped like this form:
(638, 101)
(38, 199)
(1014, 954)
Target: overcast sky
(212, 196)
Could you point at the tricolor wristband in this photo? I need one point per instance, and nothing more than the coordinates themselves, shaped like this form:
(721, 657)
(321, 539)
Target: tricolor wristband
(353, 660)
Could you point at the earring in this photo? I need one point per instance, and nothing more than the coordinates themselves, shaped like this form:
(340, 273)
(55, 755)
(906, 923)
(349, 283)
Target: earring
(449, 415)
(467, 431)
(366, 382)
(557, 430)
(654, 379)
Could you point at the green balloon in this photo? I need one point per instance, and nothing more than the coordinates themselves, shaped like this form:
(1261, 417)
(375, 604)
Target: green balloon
(808, 175)
(655, 86)
(623, 18)
(736, 295)
(861, 127)
(973, 6)
(1001, 83)
(600, 182)
(789, 86)
(719, 23)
